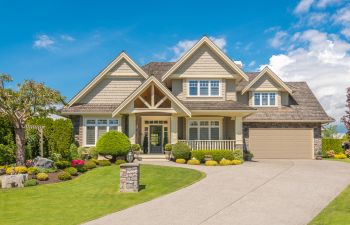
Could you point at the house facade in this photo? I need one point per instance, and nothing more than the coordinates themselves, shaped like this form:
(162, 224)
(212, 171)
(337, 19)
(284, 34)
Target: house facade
(205, 100)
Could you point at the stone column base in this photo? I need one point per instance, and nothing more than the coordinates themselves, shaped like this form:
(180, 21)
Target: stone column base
(129, 177)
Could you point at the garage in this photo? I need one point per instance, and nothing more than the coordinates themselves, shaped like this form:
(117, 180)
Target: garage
(276, 143)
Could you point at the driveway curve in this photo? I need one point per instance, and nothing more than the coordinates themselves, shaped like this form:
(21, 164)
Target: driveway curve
(281, 192)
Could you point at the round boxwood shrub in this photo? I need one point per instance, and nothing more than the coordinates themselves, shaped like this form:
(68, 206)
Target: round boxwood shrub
(31, 182)
(33, 170)
(21, 169)
(62, 164)
(211, 163)
(236, 162)
(168, 147)
(238, 154)
(95, 161)
(120, 161)
(64, 176)
(81, 169)
(104, 163)
(90, 165)
(225, 162)
(181, 161)
(42, 176)
(113, 143)
(193, 161)
(181, 150)
(72, 171)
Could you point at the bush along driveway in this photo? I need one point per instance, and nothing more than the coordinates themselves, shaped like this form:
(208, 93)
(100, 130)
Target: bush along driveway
(271, 192)
(89, 196)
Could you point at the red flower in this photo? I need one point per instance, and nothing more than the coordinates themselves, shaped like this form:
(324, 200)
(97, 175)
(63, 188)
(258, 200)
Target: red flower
(77, 162)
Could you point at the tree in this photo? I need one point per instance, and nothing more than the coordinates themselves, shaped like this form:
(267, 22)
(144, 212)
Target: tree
(330, 131)
(346, 118)
(113, 143)
(29, 99)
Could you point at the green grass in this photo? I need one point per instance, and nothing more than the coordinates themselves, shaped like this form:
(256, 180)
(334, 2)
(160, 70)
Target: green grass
(89, 196)
(338, 211)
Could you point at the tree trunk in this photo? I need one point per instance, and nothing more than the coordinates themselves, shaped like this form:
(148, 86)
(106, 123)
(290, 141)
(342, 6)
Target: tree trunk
(20, 141)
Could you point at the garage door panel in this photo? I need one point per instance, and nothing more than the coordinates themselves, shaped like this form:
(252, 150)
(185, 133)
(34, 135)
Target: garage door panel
(281, 143)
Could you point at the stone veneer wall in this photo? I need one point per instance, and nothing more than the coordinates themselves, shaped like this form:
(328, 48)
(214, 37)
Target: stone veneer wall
(129, 177)
(315, 126)
(77, 122)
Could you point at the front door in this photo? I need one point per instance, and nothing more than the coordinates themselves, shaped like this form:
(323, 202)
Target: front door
(156, 138)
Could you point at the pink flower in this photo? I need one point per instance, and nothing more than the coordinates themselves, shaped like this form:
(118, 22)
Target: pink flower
(77, 162)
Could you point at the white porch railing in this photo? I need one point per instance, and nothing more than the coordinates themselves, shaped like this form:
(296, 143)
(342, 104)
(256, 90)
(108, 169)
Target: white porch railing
(210, 144)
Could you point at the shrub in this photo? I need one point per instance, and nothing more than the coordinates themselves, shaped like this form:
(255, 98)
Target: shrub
(181, 150)
(168, 147)
(21, 169)
(83, 152)
(7, 154)
(238, 154)
(135, 147)
(181, 161)
(347, 153)
(95, 161)
(47, 170)
(56, 157)
(104, 163)
(64, 176)
(217, 155)
(9, 170)
(113, 143)
(81, 169)
(211, 163)
(42, 176)
(193, 161)
(73, 152)
(225, 162)
(248, 156)
(90, 165)
(33, 170)
(93, 152)
(340, 156)
(77, 163)
(72, 171)
(62, 164)
(120, 161)
(31, 182)
(236, 162)
(330, 154)
(331, 144)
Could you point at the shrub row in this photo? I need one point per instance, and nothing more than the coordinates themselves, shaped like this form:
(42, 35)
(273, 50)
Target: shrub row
(217, 155)
(331, 144)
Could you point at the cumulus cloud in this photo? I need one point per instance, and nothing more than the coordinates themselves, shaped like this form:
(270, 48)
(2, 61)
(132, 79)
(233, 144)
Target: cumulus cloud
(43, 41)
(183, 46)
(278, 40)
(342, 16)
(66, 37)
(346, 32)
(325, 3)
(323, 61)
(303, 6)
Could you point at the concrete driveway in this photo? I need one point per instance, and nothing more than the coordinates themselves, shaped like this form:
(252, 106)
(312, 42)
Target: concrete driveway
(267, 192)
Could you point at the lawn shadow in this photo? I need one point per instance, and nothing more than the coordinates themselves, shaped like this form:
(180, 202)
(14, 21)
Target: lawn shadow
(142, 187)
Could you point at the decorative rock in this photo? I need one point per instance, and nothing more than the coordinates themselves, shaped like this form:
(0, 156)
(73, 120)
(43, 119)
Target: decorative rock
(42, 162)
(129, 177)
(11, 181)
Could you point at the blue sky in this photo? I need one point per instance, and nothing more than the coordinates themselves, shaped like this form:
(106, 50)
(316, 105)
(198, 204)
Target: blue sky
(66, 43)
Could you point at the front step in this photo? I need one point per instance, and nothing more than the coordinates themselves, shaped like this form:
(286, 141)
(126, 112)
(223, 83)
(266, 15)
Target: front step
(153, 157)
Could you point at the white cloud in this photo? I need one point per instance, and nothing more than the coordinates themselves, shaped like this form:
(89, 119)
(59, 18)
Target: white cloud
(325, 3)
(346, 32)
(303, 6)
(67, 37)
(342, 16)
(324, 62)
(252, 63)
(43, 41)
(183, 46)
(278, 39)
(314, 19)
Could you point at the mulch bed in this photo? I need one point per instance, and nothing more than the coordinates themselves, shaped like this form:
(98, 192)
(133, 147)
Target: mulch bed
(54, 179)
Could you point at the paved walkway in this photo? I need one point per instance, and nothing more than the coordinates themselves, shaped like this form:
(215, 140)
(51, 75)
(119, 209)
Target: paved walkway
(270, 192)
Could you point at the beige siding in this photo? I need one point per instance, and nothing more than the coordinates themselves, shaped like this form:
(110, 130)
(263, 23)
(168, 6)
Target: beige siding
(204, 63)
(243, 98)
(231, 90)
(228, 129)
(285, 98)
(177, 88)
(286, 143)
(112, 90)
(123, 68)
(266, 83)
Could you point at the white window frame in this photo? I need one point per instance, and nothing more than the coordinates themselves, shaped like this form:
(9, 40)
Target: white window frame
(268, 98)
(209, 126)
(96, 125)
(198, 87)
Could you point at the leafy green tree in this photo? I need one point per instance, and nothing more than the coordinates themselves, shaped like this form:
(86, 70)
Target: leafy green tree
(330, 131)
(346, 118)
(29, 99)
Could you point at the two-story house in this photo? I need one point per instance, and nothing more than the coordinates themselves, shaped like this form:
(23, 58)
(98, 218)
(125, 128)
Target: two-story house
(203, 99)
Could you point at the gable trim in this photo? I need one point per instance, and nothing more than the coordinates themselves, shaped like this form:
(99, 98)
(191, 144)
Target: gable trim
(274, 76)
(142, 88)
(212, 46)
(103, 73)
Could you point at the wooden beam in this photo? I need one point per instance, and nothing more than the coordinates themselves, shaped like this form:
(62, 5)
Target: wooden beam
(145, 102)
(160, 102)
(152, 98)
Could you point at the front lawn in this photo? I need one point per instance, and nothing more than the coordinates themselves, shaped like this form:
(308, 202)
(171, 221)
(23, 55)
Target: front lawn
(89, 196)
(338, 211)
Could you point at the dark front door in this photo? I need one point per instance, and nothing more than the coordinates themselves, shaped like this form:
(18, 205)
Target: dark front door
(155, 139)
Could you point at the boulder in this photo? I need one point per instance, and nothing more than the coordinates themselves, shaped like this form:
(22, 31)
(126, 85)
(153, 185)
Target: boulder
(42, 162)
(12, 181)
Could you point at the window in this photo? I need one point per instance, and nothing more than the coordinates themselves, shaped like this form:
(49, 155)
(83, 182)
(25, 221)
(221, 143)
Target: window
(264, 99)
(95, 128)
(204, 88)
(204, 130)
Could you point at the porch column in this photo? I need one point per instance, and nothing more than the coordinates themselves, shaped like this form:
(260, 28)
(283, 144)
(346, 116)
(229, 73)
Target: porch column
(239, 132)
(173, 129)
(132, 128)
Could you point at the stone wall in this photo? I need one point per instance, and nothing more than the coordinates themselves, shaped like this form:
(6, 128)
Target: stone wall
(77, 122)
(315, 126)
(129, 177)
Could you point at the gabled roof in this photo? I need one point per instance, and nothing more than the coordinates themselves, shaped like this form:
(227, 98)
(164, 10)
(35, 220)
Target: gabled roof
(93, 82)
(274, 76)
(212, 46)
(143, 87)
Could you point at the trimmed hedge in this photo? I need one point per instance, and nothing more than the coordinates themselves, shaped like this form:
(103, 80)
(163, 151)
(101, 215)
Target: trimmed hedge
(217, 155)
(331, 144)
(181, 151)
(113, 143)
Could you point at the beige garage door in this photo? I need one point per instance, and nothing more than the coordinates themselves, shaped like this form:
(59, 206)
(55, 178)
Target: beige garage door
(281, 143)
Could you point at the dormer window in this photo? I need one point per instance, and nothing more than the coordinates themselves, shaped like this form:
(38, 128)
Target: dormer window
(199, 88)
(264, 99)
